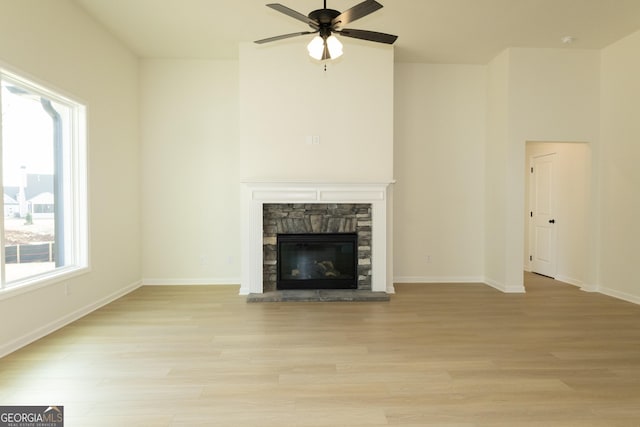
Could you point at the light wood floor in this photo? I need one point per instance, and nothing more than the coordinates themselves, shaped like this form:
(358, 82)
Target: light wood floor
(435, 355)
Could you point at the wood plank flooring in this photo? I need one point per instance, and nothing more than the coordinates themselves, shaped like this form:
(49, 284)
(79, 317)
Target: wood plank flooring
(435, 355)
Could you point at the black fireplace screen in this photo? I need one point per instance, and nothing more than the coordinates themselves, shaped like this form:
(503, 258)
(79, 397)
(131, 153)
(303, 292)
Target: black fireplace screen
(317, 261)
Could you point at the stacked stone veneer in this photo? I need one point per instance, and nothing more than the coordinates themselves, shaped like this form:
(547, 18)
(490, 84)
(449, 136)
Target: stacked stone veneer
(287, 218)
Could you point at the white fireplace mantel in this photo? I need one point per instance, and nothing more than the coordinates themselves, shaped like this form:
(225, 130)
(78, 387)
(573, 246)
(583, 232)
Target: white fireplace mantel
(256, 193)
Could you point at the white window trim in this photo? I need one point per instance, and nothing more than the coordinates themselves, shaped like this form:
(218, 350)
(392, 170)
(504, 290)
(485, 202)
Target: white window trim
(79, 203)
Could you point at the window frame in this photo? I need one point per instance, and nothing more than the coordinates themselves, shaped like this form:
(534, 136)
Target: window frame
(76, 202)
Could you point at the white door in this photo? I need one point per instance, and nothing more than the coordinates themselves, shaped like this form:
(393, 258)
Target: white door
(542, 216)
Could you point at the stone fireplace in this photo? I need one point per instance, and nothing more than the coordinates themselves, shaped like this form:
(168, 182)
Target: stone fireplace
(315, 221)
(284, 208)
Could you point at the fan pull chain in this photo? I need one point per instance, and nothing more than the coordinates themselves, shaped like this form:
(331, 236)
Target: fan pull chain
(325, 68)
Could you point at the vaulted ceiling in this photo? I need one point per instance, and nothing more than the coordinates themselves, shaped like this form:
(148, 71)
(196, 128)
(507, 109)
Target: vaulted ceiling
(430, 31)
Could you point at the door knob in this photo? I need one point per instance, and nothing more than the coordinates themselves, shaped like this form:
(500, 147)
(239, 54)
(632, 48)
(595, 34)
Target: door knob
(552, 221)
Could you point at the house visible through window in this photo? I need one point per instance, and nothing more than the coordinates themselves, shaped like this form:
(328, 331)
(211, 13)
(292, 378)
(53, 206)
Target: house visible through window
(44, 180)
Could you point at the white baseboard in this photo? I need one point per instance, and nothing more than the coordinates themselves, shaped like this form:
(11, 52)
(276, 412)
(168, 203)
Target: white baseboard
(575, 282)
(495, 285)
(506, 289)
(635, 299)
(47, 329)
(589, 288)
(569, 280)
(191, 282)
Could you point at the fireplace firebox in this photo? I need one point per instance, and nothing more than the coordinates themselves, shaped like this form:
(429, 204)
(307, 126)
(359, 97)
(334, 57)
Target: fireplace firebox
(317, 261)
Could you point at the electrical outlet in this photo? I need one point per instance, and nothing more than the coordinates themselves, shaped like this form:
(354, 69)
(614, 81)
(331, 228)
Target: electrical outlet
(427, 259)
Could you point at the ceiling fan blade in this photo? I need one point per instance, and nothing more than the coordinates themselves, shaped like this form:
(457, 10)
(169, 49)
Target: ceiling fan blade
(368, 35)
(292, 13)
(356, 12)
(284, 36)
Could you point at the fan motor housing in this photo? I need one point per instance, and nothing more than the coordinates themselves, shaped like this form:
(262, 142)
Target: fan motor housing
(324, 17)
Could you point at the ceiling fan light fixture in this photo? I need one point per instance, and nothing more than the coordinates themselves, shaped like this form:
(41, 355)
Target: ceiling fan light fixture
(316, 47)
(334, 46)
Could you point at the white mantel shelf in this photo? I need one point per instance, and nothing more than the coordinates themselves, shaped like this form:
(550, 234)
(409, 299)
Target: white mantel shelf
(256, 193)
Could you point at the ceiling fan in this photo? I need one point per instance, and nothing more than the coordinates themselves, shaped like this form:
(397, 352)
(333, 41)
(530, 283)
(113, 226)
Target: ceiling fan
(325, 22)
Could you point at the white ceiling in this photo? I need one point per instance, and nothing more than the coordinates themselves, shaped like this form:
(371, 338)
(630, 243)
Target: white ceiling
(432, 31)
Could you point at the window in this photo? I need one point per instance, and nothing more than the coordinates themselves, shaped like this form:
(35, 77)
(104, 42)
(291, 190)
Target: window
(43, 150)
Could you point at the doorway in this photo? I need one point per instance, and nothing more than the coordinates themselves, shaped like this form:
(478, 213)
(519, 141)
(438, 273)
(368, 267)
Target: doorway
(542, 233)
(557, 198)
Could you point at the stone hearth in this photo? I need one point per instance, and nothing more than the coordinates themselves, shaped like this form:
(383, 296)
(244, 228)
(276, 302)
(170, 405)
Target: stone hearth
(320, 295)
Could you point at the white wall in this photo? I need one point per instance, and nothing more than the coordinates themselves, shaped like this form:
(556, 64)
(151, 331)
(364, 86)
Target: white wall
(619, 169)
(190, 179)
(56, 44)
(572, 186)
(285, 96)
(552, 95)
(439, 168)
